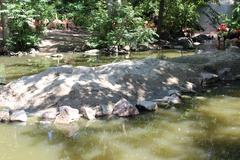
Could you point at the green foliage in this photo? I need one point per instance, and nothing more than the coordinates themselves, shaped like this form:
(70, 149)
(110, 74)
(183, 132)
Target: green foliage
(234, 21)
(125, 27)
(76, 10)
(21, 15)
(181, 14)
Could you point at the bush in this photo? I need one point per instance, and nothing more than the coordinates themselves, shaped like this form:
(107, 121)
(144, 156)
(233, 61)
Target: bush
(75, 10)
(234, 21)
(21, 15)
(126, 27)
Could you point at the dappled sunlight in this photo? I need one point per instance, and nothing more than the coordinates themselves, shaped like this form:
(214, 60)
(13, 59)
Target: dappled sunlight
(172, 81)
(66, 85)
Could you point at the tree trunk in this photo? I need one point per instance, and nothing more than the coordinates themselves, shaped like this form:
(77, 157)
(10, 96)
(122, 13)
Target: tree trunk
(161, 16)
(4, 17)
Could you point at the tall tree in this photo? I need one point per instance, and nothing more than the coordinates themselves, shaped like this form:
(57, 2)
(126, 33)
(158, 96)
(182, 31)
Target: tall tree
(4, 21)
(160, 16)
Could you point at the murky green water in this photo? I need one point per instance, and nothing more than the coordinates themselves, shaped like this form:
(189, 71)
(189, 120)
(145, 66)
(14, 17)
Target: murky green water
(208, 128)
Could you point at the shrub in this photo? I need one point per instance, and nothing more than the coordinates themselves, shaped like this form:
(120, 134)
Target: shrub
(234, 21)
(126, 27)
(21, 15)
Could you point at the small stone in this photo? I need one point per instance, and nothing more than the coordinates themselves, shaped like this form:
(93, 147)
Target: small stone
(162, 102)
(4, 115)
(208, 78)
(127, 48)
(188, 88)
(123, 108)
(18, 116)
(50, 115)
(92, 52)
(33, 51)
(102, 111)
(67, 115)
(147, 105)
(45, 122)
(174, 92)
(174, 99)
(58, 55)
(88, 113)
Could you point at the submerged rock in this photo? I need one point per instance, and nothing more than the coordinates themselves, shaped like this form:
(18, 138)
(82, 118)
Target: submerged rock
(147, 105)
(67, 115)
(123, 108)
(88, 113)
(18, 116)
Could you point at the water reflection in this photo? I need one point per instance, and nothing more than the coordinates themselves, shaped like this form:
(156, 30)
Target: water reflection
(210, 130)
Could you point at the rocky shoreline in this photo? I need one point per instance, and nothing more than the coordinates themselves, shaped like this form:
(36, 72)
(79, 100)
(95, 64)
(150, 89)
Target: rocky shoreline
(65, 94)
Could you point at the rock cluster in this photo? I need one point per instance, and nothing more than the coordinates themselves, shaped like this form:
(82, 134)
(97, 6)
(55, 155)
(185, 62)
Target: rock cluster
(31, 52)
(67, 114)
(122, 108)
(222, 75)
(6, 115)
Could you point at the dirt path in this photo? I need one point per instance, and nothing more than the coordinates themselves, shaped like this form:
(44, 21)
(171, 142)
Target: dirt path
(62, 41)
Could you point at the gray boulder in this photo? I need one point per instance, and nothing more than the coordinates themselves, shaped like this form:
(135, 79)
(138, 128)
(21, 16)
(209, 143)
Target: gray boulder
(174, 92)
(209, 79)
(88, 113)
(147, 105)
(237, 77)
(18, 116)
(168, 100)
(103, 110)
(4, 115)
(201, 38)
(88, 86)
(225, 74)
(49, 115)
(67, 115)
(185, 42)
(123, 108)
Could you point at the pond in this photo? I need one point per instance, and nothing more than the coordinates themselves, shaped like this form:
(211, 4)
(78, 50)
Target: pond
(207, 127)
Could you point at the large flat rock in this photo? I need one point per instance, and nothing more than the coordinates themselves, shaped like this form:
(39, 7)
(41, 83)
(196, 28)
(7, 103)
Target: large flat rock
(92, 86)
